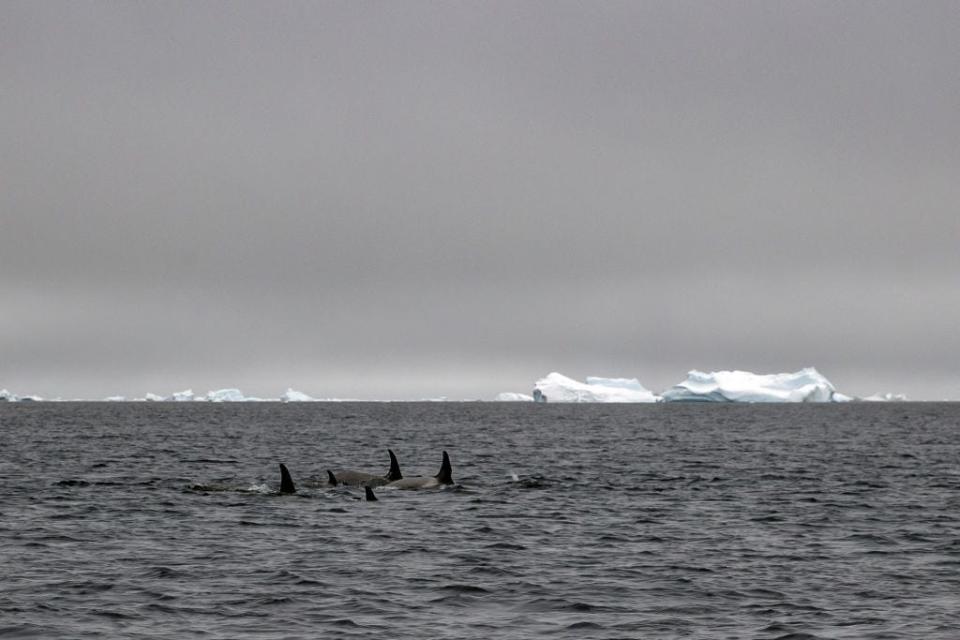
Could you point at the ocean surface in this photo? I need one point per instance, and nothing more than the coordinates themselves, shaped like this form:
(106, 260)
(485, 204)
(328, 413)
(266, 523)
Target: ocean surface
(156, 520)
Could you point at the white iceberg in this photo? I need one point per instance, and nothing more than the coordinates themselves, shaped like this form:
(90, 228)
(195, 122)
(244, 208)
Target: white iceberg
(509, 396)
(152, 397)
(226, 395)
(886, 397)
(295, 396)
(8, 396)
(559, 388)
(115, 399)
(806, 385)
(183, 396)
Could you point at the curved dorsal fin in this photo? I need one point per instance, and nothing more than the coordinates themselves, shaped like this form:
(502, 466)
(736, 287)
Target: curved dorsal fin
(286, 482)
(368, 493)
(394, 473)
(332, 479)
(446, 471)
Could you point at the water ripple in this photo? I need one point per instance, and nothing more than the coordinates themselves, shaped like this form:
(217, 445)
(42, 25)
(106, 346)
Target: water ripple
(660, 521)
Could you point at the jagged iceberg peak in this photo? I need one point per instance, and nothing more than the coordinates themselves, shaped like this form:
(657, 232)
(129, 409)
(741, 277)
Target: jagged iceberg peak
(806, 385)
(290, 395)
(557, 387)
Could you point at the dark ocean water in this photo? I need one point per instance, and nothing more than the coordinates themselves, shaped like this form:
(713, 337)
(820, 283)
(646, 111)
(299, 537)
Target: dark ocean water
(568, 521)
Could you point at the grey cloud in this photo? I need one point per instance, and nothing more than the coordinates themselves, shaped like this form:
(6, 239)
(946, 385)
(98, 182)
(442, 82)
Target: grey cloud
(466, 196)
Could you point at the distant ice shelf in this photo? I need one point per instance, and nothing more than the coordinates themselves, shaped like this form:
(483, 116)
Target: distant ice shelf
(806, 385)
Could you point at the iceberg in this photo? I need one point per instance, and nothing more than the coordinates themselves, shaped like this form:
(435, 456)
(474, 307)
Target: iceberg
(295, 396)
(183, 396)
(226, 395)
(556, 387)
(886, 397)
(509, 396)
(152, 397)
(8, 396)
(806, 385)
(115, 399)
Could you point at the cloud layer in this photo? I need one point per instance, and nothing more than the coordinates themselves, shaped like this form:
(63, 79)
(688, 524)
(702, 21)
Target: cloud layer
(407, 200)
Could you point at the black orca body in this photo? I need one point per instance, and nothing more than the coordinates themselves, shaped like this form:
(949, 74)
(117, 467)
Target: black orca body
(360, 478)
(443, 477)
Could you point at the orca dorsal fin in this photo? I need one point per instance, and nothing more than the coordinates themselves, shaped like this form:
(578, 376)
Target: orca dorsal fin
(368, 493)
(286, 482)
(394, 473)
(332, 479)
(446, 471)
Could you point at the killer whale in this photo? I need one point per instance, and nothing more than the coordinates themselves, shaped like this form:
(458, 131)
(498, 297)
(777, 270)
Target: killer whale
(443, 477)
(360, 478)
(288, 487)
(286, 482)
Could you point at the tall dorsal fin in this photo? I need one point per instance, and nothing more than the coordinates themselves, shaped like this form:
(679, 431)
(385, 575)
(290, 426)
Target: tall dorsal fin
(446, 471)
(286, 482)
(332, 479)
(394, 473)
(368, 493)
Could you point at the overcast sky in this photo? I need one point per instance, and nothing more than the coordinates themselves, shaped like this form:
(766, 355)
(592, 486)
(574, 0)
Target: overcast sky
(408, 200)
